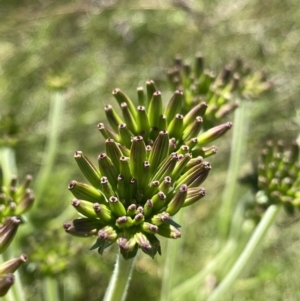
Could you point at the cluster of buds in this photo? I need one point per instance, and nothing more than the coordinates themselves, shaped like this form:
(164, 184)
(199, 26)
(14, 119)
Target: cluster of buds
(14, 201)
(153, 166)
(278, 178)
(220, 91)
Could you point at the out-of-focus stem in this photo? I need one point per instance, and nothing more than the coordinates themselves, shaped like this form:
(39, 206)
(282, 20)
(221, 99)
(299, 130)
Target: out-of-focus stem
(238, 146)
(50, 289)
(54, 125)
(246, 255)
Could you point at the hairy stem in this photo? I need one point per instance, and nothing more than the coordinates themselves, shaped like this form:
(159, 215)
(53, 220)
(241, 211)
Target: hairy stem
(119, 282)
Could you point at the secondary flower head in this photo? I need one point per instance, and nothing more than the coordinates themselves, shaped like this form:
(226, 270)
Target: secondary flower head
(277, 178)
(153, 166)
(221, 91)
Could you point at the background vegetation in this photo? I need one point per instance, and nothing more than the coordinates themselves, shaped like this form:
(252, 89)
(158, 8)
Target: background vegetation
(77, 52)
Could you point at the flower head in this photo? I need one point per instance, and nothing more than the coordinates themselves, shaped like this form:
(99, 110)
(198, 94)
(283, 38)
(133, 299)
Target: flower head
(153, 166)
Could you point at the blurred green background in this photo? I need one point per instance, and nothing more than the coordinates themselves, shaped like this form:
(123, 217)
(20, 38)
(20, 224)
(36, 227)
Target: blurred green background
(79, 51)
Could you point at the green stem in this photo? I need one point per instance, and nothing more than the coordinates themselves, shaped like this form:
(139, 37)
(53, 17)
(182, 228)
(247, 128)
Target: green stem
(170, 263)
(50, 289)
(54, 126)
(119, 282)
(245, 257)
(238, 146)
(193, 282)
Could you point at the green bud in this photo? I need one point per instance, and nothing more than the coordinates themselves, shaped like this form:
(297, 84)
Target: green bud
(159, 201)
(142, 121)
(6, 281)
(184, 149)
(162, 125)
(174, 105)
(160, 218)
(194, 176)
(8, 231)
(205, 81)
(149, 228)
(193, 129)
(108, 169)
(81, 230)
(123, 98)
(180, 166)
(137, 156)
(155, 109)
(113, 118)
(151, 89)
(125, 169)
(113, 152)
(138, 219)
(129, 118)
(131, 210)
(144, 243)
(194, 161)
(128, 247)
(159, 150)
(12, 265)
(125, 151)
(178, 200)
(213, 133)
(122, 188)
(116, 206)
(107, 132)
(25, 203)
(225, 110)
(169, 231)
(141, 96)
(166, 185)
(166, 167)
(123, 222)
(198, 110)
(194, 194)
(106, 188)
(125, 134)
(148, 207)
(206, 151)
(21, 191)
(91, 173)
(86, 192)
(103, 212)
(175, 127)
(84, 207)
(108, 233)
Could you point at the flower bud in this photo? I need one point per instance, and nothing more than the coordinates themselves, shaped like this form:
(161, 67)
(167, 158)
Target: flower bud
(107, 132)
(159, 150)
(141, 96)
(8, 231)
(194, 194)
(108, 169)
(103, 212)
(113, 118)
(166, 167)
(108, 233)
(137, 156)
(155, 110)
(193, 129)
(158, 200)
(128, 247)
(25, 203)
(198, 110)
(178, 200)
(6, 281)
(143, 122)
(169, 231)
(124, 222)
(12, 265)
(106, 188)
(86, 192)
(84, 207)
(123, 98)
(125, 134)
(151, 89)
(174, 106)
(175, 127)
(91, 173)
(144, 243)
(113, 152)
(116, 206)
(160, 218)
(213, 133)
(148, 207)
(149, 228)
(129, 119)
